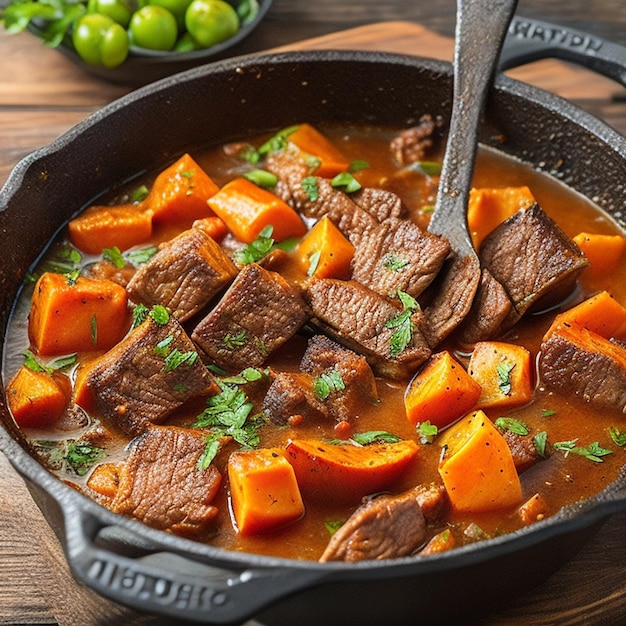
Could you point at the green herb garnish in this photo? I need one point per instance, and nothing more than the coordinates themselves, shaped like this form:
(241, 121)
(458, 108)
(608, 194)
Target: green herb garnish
(346, 181)
(402, 324)
(257, 249)
(375, 436)
(515, 426)
(593, 452)
(327, 383)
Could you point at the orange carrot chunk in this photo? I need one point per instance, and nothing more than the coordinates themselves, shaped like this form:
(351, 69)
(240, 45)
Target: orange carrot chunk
(213, 226)
(324, 252)
(180, 192)
(263, 489)
(441, 392)
(603, 251)
(105, 479)
(600, 313)
(247, 209)
(477, 467)
(316, 145)
(101, 227)
(504, 373)
(488, 207)
(347, 472)
(37, 399)
(69, 316)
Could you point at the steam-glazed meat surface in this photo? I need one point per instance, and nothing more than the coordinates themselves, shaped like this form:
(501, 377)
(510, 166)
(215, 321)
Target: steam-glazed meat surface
(134, 386)
(585, 365)
(386, 526)
(534, 260)
(258, 314)
(162, 485)
(358, 318)
(184, 275)
(397, 256)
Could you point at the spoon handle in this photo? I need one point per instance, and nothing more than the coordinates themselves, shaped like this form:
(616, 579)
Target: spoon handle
(481, 27)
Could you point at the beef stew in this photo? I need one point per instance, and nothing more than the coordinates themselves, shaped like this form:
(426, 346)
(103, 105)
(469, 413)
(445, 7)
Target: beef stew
(579, 456)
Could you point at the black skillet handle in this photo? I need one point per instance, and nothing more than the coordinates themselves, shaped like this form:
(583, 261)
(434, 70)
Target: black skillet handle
(113, 562)
(530, 40)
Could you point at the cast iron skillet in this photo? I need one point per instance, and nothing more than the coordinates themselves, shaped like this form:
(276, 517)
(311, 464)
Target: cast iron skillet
(157, 572)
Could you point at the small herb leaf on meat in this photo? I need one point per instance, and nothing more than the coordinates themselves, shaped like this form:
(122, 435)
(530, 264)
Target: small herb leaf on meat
(327, 383)
(515, 426)
(262, 178)
(346, 182)
(402, 324)
(257, 249)
(159, 314)
(232, 341)
(504, 370)
(114, 255)
(310, 187)
(375, 436)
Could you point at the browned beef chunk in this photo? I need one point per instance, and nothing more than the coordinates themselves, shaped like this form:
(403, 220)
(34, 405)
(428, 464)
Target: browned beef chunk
(387, 526)
(533, 259)
(414, 144)
(582, 364)
(448, 299)
(326, 358)
(184, 275)
(137, 383)
(359, 318)
(398, 255)
(257, 315)
(523, 450)
(380, 203)
(161, 484)
(491, 312)
(292, 395)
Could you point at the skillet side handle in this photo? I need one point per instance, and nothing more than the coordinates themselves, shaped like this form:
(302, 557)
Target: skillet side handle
(168, 583)
(530, 40)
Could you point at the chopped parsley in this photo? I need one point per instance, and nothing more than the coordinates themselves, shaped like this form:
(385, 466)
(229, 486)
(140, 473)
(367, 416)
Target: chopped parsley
(327, 383)
(540, 441)
(504, 370)
(394, 262)
(332, 526)
(427, 432)
(618, 437)
(402, 325)
(62, 363)
(232, 341)
(228, 414)
(593, 452)
(139, 194)
(276, 143)
(310, 187)
(140, 256)
(346, 182)
(515, 426)
(375, 436)
(176, 359)
(140, 315)
(257, 249)
(159, 314)
(262, 178)
(66, 260)
(74, 456)
(114, 255)
(357, 166)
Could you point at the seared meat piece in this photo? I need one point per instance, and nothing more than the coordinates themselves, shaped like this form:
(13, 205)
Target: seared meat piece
(184, 275)
(325, 357)
(107, 270)
(398, 255)
(258, 314)
(380, 203)
(139, 383)
(523, 449)
(533, 259)
(448, 299)
(359, 318)
(413, 144)
(290, 168)
(387, 526)
(292, 394)
(579, 362)
(161, 484)
(491, 309)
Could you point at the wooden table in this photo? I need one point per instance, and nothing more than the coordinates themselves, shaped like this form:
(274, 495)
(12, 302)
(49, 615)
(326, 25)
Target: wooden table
(42, 94)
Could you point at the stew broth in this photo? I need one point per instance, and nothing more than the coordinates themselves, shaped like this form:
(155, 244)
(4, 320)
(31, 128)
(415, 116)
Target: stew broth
(561, 479)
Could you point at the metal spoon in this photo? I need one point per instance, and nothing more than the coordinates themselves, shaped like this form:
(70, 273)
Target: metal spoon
(481, 27)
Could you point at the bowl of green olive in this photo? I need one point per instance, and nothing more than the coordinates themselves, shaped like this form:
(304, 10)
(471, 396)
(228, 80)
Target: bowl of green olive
(134, 42)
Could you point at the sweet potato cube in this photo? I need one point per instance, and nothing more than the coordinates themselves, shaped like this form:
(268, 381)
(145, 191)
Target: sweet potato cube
(488, 207)
(347, 472)
(603, 251)
(101, 227)
(316, 145)
(504, 373)
(105, 479)
(37, 399)
(76, 315)
(180, 192)
(324, 252)
(477, 466)
(264, 491)
(247, 209)
(441, 392)
(600, 313)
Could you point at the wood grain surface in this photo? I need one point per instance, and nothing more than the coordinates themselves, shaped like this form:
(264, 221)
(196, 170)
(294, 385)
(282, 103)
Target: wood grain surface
(42, 94)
